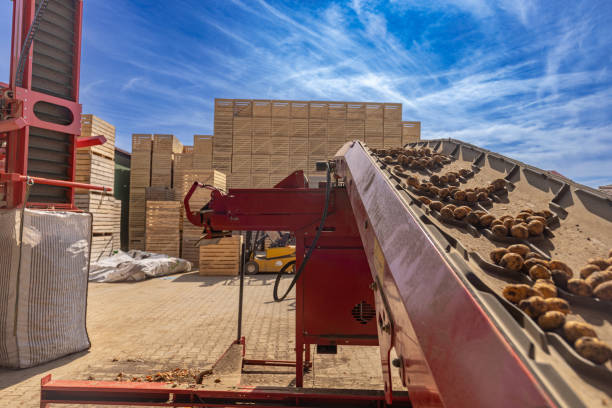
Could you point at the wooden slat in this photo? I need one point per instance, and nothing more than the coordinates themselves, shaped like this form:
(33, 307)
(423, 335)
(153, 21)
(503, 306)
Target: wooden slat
(94, 126)
(162, 227)
(93, 168)
(102, 208)
(222, 258)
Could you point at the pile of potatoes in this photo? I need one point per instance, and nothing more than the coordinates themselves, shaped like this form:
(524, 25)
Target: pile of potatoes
(415, 159)
(595, 279)
(449, 177)
(527, 223)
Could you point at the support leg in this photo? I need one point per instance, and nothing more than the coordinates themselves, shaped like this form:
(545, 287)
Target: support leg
(299, 364)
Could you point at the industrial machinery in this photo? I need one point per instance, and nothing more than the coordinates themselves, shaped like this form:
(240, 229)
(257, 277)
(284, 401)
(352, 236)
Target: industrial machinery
(39, 109)
(376, 266)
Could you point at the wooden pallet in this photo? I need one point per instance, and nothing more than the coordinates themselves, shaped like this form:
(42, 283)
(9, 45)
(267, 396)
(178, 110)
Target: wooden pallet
(162, 232)
(317, 147)
(166, 144)
(161, 169)
(102, 246)
(262, 127)
(189, 238)
(411, 132)
(94, 126)
(239, 180)
(117, 225)
(102, 207)
(93, 168)
(298, 147)
(280, 127)
(260, 163)
(241, 163)
(299, 128)
(317, 129)
(222, 162)
(202, 151)
(261, 145)
(160, 194)
(136, 223)
(142, 142)
(221, 258)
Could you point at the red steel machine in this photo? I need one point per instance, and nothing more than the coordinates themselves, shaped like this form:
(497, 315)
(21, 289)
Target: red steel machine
(39, 108)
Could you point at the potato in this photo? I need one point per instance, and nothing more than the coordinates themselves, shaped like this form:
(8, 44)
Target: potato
(545, 289)
(424, 200)
(473, 219)
(554, 264)
(588, 270)
(434, 190)
(486, 220)
(482, 196)
(535, 228)
(600, 262)
(452, 177)
(499, 231)
(436, 205)
(593, 349)
(533, 306)
(443, 193)
(498, 184)
(511, 261)
(539, 271)
(574, 330)
(527, 210)
(551, 320)
(520, 249)
(536, 218)
(532, 255)
(388, 159)
(447, 211)
(470, 197)
(459, 195)
(461, 212)
(560, 278)
(518, 292)
(597, 278)
(522, 216)
(604, 291)
(534, 261)
(497, 254)
(579, 287)
(519, 231)
(558, 304)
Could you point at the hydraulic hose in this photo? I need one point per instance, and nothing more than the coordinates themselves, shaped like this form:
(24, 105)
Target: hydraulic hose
(313, 245)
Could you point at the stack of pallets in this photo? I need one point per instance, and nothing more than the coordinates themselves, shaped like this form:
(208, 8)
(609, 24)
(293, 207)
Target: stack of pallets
(163, 234)
(140, 179)
(95, 165)
(221, 258)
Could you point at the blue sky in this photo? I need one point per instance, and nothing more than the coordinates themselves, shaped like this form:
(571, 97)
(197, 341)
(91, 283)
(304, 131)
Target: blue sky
(531, 80)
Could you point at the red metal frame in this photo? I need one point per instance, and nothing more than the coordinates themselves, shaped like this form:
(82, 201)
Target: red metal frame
(21, 100)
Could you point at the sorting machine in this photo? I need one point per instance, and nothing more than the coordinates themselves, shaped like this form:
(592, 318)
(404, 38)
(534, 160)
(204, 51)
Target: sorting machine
(375, 267)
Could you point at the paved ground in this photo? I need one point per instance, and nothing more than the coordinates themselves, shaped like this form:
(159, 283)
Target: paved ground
(187, 321)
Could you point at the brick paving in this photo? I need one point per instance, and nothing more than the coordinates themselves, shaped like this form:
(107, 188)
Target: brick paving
(187, 321)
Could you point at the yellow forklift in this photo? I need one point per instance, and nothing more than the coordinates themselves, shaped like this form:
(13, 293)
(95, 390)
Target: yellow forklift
(279, 256)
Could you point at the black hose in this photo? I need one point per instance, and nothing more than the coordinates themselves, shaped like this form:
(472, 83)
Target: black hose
(312, 245)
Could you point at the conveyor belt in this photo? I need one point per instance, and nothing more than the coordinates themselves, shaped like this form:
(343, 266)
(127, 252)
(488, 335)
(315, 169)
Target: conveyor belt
(581, 228)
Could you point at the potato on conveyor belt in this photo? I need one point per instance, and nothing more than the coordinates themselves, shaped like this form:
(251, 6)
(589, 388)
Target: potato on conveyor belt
(593, 349)
(560, 278)
(516, 293)
(424, 200)
(461, 212)
(533, 306)
(497, 253)
(600, 262)
(498, 184)
(586, 271)
(545, 288)
(520, 231)
(436, 205)
(535, 228)
(459, 195)
(471, 197)
(603, 290)
(558, 304)
(554, 264)
(579, 287)
(530, 255)
(448, 211)
(551, 320)
(539, 271)
(472, 219)
(499, 230)
(574, 330)
(520, 249)
(511, 261)
(597, 278)
(486, 220)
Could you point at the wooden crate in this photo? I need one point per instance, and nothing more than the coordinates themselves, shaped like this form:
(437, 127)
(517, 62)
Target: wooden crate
(390, 142)
(317, 129)
(280, 128)
(182, 163)
(354, 130)
(160, 194)
(242, 145)
(243, 108)
(261, 145)
(336, 110)
(318, 110)
(317, 147)
(299, 109)
(243, 127)
(392, 111)
(262, 108)
(240, 180)
(298, 147)
(336, 129)
(355, 111)
(94, 126)
(202, 150)
(161, 169)
(298, 163)
(117, 226)
(222, 162)
(222, 257)
(374, 142)
(136, 222)
(260, 164)
(279, 165)
(201, 196)
(299, 129)
(162, 233)
(93, 168)
(262, 128)
(392, 128)
(280, 147)
(102, 246)
(281, 109)
(374, 111)
(224, 108)
(166, 144)
(373, 128)
(189, 238)
(102, 208)
(142, 142)
(260, 180)
(222, 145)
(187, 149)
(223, 127)
(411, 132)
(333, 146)
(241, 163)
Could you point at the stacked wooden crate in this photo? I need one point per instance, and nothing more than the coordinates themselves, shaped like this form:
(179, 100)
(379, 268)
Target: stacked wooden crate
(411, 132)
(95, 165)
(272, 138)
(140, 179)
(222, 257)
(162, 227)
(164, 149)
